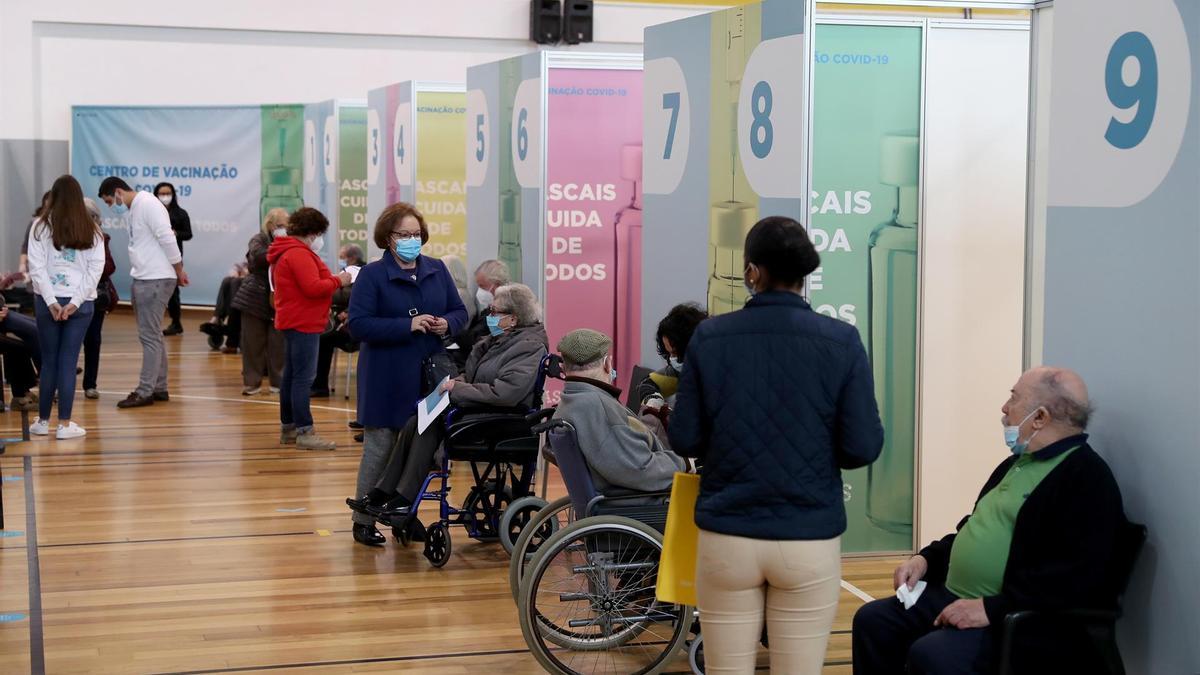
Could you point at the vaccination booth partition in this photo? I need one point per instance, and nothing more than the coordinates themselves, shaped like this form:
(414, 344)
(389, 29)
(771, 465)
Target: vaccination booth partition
(914, 203)
(554, 185)
(415, 155)
(335, 161)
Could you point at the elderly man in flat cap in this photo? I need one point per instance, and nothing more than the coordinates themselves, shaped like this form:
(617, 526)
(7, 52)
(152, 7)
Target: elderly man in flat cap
(623, 454)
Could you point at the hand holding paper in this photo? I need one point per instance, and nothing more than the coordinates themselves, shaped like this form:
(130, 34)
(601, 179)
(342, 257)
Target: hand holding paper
(910, 596)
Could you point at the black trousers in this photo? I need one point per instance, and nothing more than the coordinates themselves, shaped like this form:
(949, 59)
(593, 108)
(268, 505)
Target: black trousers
(18, 367)
(890, 640)
(91, 345)
(330, 340)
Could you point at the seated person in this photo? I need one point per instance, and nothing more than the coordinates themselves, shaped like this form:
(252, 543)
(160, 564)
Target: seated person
(489, 276)
(1041, 537)
(501, 373)
(22, 355)
(224, 329)
(458, 272)
(672, 338)
(622, 453)
(338, 335)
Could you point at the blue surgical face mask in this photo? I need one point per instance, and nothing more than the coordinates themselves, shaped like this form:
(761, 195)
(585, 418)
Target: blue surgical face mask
(675, 364)
(119, 207)
(341, 264)
(1012, 435)
(408, 249)
(493, 324)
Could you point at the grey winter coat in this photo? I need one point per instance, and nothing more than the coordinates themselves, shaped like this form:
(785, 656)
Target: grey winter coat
(502, 370)
(622, 453)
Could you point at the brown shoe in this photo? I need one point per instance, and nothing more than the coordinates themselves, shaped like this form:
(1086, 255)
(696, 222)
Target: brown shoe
(27, 402)
(229, 350)
(136, 400)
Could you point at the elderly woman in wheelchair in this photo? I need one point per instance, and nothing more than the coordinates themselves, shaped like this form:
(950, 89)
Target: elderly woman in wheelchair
(585, 568)
(502, 382)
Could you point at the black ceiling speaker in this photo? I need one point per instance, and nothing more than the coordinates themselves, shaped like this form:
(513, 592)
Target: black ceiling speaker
(577, 21)
(545, 21)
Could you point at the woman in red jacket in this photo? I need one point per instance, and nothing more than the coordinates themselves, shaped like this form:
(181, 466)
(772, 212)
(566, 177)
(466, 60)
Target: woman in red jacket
(304, 288)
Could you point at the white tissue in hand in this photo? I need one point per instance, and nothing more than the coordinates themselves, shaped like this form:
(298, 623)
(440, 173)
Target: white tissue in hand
(354, 270)
(909, 597)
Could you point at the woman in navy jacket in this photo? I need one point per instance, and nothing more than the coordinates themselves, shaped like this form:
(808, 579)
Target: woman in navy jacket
(401, 308)
(775, 400)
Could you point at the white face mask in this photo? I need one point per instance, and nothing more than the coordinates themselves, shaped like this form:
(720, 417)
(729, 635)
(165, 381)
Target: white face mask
(317, 243)
(165, 199)
(484, 298)
(279, 232)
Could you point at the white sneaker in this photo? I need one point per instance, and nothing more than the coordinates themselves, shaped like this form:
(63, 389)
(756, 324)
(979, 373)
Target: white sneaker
(40, 428)
(274, 390)
(72, 430)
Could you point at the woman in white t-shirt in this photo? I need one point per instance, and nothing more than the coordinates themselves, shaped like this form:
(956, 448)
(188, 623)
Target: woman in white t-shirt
(66, 259)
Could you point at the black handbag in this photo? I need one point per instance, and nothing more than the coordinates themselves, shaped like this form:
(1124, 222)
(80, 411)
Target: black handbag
(435, 368)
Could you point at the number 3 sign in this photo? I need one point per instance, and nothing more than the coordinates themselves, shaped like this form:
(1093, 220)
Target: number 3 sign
(1120, 96)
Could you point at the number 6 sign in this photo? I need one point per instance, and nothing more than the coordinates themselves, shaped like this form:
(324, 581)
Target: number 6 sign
(1119, 102)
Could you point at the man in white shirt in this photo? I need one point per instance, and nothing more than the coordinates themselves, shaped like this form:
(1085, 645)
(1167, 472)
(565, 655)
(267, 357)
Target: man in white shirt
(156, 266)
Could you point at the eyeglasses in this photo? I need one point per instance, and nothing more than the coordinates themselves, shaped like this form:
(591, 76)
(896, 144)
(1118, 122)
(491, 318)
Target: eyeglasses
(406, 236)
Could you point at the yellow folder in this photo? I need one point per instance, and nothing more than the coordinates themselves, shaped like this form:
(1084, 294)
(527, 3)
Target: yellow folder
(677, 565)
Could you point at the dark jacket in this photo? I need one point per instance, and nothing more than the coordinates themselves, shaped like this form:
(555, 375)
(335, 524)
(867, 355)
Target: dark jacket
(181, 225)
(254, 295)
(775, 399)
(471, 334)
(384, 301)
(1062, 541)
(502, 370)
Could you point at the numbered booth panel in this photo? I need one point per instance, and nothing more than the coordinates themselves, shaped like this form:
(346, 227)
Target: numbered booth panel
(554, 187)
(335, 164)
(404, 119)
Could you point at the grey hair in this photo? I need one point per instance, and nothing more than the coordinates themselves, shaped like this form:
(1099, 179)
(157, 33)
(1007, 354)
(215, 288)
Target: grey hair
(93, 210)
(1062, 404)
(458, 271)
(519, 301)
(354, 252)
(495, 271)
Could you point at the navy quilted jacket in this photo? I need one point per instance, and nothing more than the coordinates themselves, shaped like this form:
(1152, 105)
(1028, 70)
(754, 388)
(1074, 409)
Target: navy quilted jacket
(775, 400)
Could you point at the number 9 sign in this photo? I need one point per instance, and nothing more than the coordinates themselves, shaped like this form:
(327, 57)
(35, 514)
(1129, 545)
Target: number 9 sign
(1119, 102)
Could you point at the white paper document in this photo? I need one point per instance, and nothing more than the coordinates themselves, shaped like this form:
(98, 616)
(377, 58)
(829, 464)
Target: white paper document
(354, 270)
(910, 597)
(432, 406)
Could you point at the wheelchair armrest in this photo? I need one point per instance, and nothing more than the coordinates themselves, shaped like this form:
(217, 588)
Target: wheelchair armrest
(539, 416)
(607, 499)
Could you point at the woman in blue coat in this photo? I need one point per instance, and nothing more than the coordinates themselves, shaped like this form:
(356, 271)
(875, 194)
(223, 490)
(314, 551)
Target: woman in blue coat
(401, 308)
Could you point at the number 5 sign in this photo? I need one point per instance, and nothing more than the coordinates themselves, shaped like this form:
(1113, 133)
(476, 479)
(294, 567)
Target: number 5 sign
(1119, 102)
(772, 120)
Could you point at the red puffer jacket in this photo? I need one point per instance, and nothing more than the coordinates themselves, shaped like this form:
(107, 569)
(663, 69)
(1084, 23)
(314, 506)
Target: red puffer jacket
(304, 286)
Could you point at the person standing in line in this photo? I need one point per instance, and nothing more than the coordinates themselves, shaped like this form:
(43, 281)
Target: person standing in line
(106, 300)
(66, 260)
(337, 333)
(775, 400)
(262, 345)
(181, 225)
(304, 289)
(157, 268)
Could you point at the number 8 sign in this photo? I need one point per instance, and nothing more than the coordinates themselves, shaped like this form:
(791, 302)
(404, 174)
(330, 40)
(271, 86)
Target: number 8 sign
(1119, 102)
(772, 119)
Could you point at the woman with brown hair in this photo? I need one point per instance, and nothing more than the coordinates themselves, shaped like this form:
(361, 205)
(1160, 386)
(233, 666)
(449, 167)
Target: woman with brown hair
(66, 259)
(262, 345)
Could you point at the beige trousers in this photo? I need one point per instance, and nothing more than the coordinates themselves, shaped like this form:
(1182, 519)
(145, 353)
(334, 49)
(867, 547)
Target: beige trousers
(795, 584)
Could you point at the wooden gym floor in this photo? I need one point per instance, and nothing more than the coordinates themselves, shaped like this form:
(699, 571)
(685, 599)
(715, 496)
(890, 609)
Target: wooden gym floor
(182, 538)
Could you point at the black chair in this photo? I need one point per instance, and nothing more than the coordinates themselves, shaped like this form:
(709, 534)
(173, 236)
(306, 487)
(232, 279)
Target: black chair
(1099, 625)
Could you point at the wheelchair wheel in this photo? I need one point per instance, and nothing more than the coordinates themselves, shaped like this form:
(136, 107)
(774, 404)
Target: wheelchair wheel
(588, 601)
(485, 507)
(696, 655)
(553, 517)
(437, 544)
(516, 516)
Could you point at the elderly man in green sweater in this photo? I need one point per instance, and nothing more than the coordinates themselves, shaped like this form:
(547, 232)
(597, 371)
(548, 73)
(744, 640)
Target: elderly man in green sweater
(622, 453)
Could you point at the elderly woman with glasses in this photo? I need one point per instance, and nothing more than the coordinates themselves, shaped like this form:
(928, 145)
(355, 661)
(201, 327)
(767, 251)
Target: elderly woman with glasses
(401, 308)
(500, 375)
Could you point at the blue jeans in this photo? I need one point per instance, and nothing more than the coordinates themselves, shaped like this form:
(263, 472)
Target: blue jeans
(61, 342)
(299, 370)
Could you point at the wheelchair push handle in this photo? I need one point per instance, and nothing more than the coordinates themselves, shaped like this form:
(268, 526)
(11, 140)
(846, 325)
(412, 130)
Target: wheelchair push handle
(540, 421)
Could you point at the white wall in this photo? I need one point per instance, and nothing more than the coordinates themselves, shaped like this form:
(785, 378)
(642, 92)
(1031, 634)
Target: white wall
(57, 54)
(973, 262)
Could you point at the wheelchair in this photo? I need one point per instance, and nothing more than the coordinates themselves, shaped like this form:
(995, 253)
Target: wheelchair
(502, 451)
(586, 598)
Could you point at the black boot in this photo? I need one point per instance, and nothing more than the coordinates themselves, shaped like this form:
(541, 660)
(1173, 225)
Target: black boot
(367, 535)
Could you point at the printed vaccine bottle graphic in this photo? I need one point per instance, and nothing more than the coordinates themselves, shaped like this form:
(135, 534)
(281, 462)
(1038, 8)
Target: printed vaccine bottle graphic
(734, 207)
(510, 189)
(281, 183)
(628, 227)
(892, 337)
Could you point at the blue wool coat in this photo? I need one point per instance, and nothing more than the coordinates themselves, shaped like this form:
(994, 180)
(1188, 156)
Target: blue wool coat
(775, 399)
(384, 300)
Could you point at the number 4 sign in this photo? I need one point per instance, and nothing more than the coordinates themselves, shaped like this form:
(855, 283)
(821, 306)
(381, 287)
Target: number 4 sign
(1120, 95)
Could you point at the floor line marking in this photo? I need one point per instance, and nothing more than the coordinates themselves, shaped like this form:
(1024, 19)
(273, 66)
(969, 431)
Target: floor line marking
(857, 592)
(37, 652)
(247, 399)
